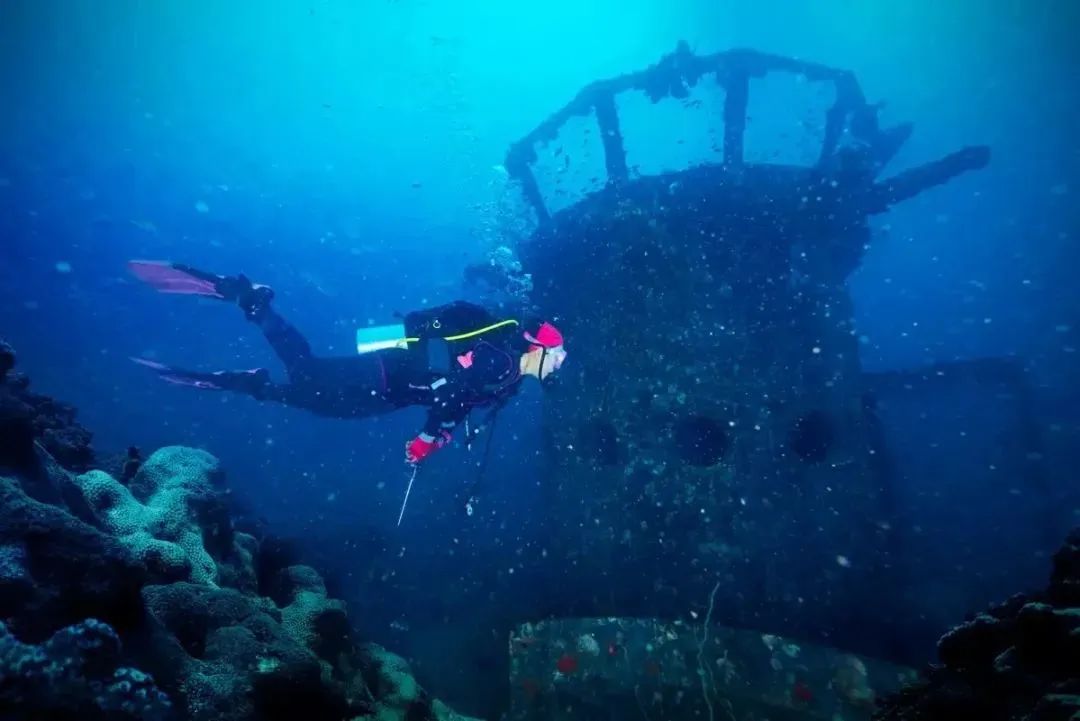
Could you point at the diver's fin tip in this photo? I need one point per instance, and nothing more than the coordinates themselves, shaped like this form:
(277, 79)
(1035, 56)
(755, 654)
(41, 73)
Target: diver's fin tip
(147, 363)
(166, 277)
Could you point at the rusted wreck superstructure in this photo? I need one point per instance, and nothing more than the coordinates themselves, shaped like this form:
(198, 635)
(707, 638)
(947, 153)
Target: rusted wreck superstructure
(712, 427)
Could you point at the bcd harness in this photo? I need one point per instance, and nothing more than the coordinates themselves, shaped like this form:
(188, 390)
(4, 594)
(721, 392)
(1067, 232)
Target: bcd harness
(435, 352)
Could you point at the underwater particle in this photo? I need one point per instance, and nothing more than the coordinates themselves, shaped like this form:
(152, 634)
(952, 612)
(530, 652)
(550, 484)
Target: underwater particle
(5, 182)
(811, 437)
(201, 206)
(843, 561)
(567, 664)
(63, 266)
(417, 184)
(1060, 189)
(700, 440)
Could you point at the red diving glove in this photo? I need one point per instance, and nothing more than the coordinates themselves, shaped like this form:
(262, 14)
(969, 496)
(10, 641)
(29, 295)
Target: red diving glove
(423, 445)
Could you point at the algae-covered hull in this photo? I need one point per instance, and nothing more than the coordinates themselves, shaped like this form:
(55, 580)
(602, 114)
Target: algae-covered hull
(653, 669)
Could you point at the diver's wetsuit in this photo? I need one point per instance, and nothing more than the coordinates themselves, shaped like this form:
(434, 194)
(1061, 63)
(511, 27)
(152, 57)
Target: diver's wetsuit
(449, 377)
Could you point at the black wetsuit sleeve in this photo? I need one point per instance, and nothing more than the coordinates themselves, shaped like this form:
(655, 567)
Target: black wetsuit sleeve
(469, 388)
(451, 405)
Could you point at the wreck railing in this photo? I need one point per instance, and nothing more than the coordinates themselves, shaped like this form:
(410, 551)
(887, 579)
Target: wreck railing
(677, 72)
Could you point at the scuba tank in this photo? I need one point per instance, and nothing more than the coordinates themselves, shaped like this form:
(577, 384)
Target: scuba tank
(381, 337)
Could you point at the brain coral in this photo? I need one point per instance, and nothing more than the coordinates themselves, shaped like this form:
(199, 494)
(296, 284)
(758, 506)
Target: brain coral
(167, 514)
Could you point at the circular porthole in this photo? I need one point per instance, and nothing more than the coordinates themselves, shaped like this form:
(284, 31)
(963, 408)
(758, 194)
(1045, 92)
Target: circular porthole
(811, 437)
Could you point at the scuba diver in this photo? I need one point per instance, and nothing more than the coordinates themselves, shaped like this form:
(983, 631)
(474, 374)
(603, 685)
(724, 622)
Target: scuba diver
(451, 358)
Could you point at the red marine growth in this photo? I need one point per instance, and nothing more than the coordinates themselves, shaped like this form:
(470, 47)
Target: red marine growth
(531, 688)
(566, 664)
(801, 693)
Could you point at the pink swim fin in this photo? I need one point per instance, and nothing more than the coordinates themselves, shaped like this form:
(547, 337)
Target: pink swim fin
(180, 377)
(153, 365)
(246, 381)
(171, 278)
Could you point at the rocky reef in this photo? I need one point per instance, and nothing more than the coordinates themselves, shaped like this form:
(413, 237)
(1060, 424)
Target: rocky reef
(140, 600)
(1017, 660)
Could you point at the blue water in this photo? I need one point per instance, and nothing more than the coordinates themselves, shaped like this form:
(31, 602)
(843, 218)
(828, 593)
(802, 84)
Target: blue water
(347, 154)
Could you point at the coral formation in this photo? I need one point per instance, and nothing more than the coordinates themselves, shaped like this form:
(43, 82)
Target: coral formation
(397, 696)
(1017, 660)
(76, 674)
(230, 657)
(225, 632)
(58, 570)
(310, 618)
(390, 679)
(179, 504)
